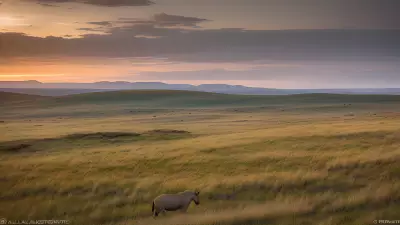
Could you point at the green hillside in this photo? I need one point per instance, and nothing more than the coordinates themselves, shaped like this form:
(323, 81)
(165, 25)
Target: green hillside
(8, 97)
(165, 98)
(169, 98)
(117, 102)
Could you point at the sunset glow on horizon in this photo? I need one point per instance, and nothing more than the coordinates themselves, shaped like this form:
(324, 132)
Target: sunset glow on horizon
(276, 44)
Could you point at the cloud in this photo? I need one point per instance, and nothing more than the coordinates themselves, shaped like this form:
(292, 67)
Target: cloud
(212, 74)
(305, 74)
(47, 5)
(164, 19)
(152, 27)
(213, 45)
(101, 23)
(91, 29)
(118, 2)
(108, 3)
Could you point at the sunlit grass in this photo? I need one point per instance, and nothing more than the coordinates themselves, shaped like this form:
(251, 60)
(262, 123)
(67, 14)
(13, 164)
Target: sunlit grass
(304, 165)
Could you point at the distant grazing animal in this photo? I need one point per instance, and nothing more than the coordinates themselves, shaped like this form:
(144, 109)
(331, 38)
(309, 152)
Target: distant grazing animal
(173, 202)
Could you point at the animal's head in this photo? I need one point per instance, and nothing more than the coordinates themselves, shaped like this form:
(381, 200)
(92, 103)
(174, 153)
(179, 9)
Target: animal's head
(196, 197)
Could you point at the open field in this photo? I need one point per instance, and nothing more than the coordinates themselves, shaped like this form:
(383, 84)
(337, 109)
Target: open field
(101, 158)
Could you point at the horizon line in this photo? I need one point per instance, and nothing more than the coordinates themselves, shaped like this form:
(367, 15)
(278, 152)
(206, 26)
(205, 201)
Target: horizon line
(163, 82)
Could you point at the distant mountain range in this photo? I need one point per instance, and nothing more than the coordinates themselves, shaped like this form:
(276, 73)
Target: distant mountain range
(57, 89)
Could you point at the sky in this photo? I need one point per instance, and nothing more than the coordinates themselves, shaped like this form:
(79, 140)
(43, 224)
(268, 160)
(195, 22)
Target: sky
(260, 43)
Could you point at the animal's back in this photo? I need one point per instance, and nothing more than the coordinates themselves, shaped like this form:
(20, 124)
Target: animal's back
(168, 201)
(164, 197)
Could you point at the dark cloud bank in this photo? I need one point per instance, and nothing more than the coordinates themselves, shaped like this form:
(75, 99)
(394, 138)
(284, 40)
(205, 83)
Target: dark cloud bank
(158, 20)
(109, 3)
(180, 38)
(220, 45)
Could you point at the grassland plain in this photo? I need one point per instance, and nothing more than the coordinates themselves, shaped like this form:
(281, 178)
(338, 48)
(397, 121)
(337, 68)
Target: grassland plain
(101, 158)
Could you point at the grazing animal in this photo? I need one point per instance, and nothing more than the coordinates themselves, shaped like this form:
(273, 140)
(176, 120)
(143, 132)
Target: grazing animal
(173, 202)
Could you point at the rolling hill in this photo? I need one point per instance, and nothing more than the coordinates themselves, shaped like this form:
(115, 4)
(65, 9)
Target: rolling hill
(9, 97)
(60, 89)
(182, 99)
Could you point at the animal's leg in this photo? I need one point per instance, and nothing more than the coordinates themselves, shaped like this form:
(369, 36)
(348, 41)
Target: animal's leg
(156, 212)
(184, 209)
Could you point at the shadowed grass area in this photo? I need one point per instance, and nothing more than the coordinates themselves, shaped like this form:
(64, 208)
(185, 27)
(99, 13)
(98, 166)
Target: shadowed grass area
(14, 98)
(75, 140)
(325, 163)
(191, 99)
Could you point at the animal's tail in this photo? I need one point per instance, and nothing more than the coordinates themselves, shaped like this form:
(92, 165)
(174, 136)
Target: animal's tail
(152, 207)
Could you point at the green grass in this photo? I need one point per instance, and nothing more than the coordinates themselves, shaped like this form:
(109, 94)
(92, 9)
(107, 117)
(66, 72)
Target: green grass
(190, 99)
(8, 97)
(101, 158)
